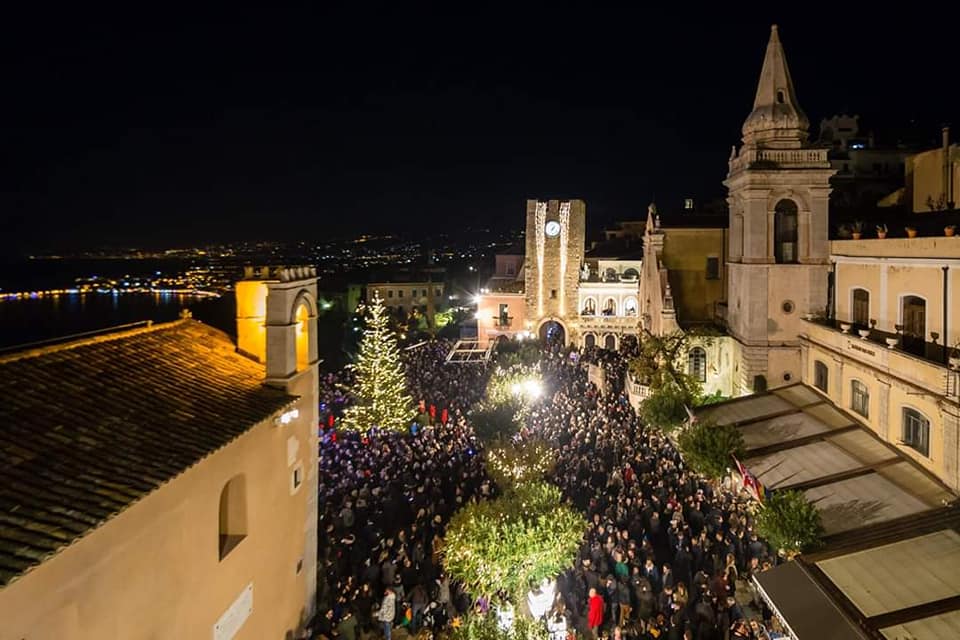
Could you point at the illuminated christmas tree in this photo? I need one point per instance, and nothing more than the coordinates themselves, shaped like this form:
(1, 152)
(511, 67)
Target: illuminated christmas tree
(379, 393)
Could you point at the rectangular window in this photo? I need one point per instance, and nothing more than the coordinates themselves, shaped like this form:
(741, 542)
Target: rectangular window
(916, 431)
(820, 376)
(399, 293)
(861, 308)
(390, 293)
(424, 294)
(436, 293)
(553, 294)
(713, 268)
(860, 401)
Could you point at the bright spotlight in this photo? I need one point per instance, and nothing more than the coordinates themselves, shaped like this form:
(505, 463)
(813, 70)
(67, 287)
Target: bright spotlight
(517, 388)
(476, 299)
(533, 388)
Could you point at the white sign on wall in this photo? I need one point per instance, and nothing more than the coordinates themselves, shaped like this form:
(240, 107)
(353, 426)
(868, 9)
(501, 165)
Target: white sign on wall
(236, 614)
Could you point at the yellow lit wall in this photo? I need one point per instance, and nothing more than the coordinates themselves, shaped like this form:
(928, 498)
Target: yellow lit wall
(251, 318)
(685, 253)
(155, 572)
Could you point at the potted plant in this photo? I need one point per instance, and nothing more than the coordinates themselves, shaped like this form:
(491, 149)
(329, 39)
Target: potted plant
(856, 229)
(845, 327)
(864, 333)
(881, 231)
(911, 232)
(949, 230)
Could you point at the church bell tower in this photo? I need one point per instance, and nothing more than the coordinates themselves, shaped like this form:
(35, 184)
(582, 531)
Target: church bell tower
(778, 190)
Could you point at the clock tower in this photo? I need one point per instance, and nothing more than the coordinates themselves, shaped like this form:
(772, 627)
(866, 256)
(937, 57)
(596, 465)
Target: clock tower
(555, 241)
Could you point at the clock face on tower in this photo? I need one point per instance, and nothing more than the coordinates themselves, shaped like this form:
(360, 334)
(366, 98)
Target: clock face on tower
(552, 229)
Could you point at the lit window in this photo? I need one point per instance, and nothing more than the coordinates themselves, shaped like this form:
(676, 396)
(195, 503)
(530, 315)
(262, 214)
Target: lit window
(697, 364)
(916, 431)
(688, 203)
(821, 376)
(233, 515)
(860, 398)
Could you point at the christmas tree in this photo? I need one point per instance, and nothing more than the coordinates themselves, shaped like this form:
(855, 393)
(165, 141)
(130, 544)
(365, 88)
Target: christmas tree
(380, 392)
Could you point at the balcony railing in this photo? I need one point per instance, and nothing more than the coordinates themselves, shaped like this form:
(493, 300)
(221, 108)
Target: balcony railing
(781, 158)
(502, 322)
(932, 352)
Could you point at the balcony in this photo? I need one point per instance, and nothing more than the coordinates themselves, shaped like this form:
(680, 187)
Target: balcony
(925, 364)
(774, 158)
(932, 352)
(502, 322)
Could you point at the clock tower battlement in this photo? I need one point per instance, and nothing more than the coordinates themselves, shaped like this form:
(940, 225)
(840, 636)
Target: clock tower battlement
(555, 247)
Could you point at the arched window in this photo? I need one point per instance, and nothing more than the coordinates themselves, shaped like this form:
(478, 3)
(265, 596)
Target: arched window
(303, 337)
(610, 342)
(860, 398)
(630, 307)
(610, 307)
(861, 308)
(589, 307)
(590, 340)
(233, 514)
(631, 274)
(914, 319)
(610, 274)
(785, 245)
(821, 376)
(697, 364)
(916, 431)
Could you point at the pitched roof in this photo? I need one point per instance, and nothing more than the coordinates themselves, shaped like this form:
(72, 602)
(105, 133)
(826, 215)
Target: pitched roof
(88, 428)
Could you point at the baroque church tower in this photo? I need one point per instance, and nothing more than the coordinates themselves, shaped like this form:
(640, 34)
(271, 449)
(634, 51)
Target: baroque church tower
(778, 189)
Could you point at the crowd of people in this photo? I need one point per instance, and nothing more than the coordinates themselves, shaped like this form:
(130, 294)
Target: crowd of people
(664, 557)
(385, 500)
(666, 551)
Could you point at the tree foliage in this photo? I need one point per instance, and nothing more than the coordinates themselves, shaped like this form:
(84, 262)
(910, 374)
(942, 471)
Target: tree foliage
(789, 522)
(707, 448)
(512, 464)
(499, 548)
(661, 362)
(495, 422)
(485, 627)
(379, 393)
(666, 408)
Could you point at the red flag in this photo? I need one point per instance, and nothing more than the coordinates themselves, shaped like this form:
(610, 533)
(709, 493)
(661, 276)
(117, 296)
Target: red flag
(444, 416)
(433, 412)
(330, 420)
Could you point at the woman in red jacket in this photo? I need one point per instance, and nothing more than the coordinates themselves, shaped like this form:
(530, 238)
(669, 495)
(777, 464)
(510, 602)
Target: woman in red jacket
(595, 614)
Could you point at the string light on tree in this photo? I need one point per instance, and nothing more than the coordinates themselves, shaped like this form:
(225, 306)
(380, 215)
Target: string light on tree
(380, 398)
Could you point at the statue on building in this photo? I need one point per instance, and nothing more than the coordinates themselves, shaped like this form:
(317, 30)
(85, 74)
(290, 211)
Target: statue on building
(585, 272)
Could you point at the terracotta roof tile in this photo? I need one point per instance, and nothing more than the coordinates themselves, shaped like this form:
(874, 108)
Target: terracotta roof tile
(88, 428)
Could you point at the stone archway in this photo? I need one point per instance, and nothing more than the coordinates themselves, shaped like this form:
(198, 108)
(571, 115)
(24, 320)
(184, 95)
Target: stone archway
(552, 332)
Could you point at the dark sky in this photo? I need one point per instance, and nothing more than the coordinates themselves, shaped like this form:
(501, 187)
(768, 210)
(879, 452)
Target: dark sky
(176, 127)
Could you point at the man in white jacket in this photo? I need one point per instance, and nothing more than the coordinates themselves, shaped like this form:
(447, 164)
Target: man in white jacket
(388, 609)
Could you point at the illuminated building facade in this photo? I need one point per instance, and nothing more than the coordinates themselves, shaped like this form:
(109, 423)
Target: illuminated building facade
(164, 482)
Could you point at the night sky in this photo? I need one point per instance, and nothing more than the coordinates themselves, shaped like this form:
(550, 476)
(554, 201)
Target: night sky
(176, 127)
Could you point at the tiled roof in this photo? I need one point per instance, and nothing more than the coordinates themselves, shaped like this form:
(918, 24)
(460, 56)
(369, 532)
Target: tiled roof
(89, 427)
